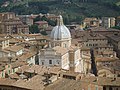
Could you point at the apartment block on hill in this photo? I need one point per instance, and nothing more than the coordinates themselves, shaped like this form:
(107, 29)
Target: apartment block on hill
(10, 24)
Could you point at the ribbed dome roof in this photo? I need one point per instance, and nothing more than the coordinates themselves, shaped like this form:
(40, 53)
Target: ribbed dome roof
(60, 32)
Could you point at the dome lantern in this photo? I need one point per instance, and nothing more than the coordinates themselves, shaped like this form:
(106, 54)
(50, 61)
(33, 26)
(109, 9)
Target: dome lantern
(60, 21)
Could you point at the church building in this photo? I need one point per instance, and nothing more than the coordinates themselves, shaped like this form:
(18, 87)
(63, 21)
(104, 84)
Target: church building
(60, 51)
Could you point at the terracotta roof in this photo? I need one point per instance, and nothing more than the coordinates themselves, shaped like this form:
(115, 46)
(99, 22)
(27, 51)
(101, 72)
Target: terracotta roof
(18, 64)
(108, 81)
(22, 69)
(23, 26)
(4, 51)
(69, 73)
(67, 84)
(108, 52)
(39, 69)
(41, 22)
(21, 83)
(39, 37)
(2, 39)
(105, 45)
(15, 40)
(12, 19)
(3, 35)
(85, 48)
(26, 56)
(73, 48)
(103, 59)
(36, 68)
(64, 84)
(114, 37)
(49, 28)
(14, 48)
(89, 35)
(14, 76)
(35, 83)
(6, 81)
(33, 16)
(74, 41)
(6, 59)
(90, 19)
(54, 70)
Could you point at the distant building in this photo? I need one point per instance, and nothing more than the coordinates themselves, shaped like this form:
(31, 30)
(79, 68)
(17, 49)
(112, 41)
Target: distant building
(108, 22)
(4, 43)
(91, 22)
(115, 41)
(103, 53)
(6, 16)
(42, 25)
(51, 16)
(90, 39)
(118, 21)
(26, 19)
(48, 30)
(11, 25)
(104, 31)
(105, 59)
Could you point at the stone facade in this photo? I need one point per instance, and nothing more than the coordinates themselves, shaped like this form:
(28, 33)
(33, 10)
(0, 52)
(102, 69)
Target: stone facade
(108, 22)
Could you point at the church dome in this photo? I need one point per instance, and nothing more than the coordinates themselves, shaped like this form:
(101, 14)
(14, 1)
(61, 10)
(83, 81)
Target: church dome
(60, 32)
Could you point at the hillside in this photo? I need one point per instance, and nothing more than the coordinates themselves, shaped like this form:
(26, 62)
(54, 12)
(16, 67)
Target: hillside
(75, 10)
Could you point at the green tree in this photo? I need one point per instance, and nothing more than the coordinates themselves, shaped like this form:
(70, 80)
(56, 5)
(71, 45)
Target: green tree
(116, 27)
(43, 18)
(66, 20)
(37, 19)
(79, 19)
(34, 29)
(43, 32)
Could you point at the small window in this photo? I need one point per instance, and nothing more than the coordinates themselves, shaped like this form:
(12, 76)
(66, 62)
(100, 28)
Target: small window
(8, 71)
(110, 88)
(42, 63)
(96, 87)
(2, 74)
(65, 45)
(86, 44)
(90, 44)
(50, 61)
(8, 66)
(13, 70)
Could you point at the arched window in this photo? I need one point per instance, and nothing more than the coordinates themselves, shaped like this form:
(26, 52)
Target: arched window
(50, 61)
